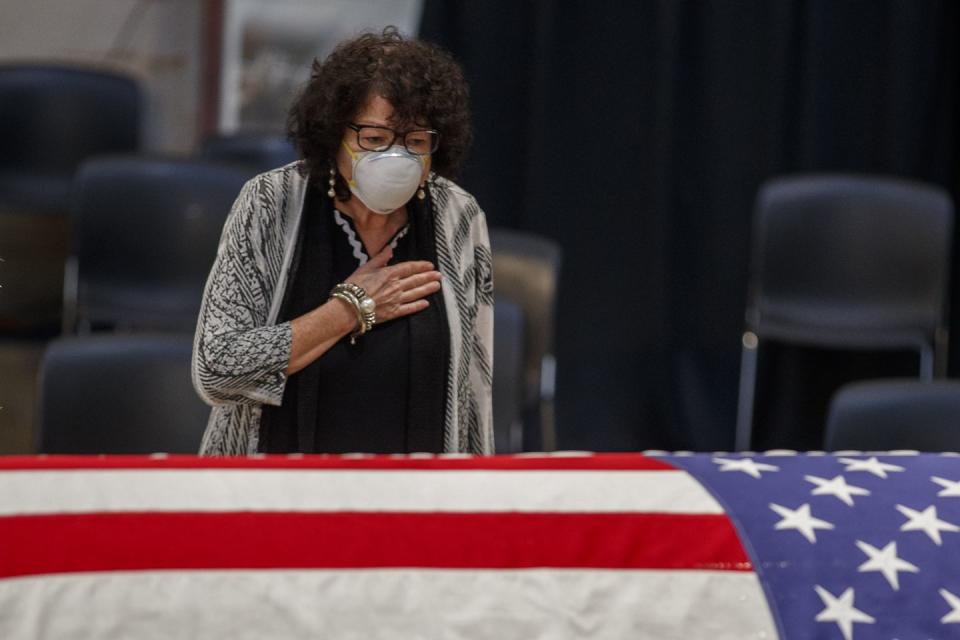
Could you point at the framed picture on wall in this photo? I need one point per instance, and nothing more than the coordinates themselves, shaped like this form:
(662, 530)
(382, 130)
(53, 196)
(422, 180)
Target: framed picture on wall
(262, 52)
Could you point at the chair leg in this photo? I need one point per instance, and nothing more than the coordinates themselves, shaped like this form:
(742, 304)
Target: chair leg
(70, 296)
(748, 380)
(548, 377)
(927, 362)
(514, 437)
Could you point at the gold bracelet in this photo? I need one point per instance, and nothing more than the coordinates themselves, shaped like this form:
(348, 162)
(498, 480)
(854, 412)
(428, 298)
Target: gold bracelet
(363, 305)
(339, 295)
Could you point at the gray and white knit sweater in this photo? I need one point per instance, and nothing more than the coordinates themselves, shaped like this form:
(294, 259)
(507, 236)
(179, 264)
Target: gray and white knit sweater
(240, 353)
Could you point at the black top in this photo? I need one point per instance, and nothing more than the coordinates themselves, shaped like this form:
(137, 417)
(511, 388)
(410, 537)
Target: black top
(384, 394)
(363, 387)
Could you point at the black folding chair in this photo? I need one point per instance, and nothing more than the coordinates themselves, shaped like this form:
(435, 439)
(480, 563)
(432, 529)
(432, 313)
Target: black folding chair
(846, 262)
(526, 270)
(884, 415)
(51, 119)
(119, 394)
(145, 232)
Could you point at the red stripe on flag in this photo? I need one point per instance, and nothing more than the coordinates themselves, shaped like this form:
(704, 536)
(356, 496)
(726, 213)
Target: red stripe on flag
(144, 541)
(599, 462)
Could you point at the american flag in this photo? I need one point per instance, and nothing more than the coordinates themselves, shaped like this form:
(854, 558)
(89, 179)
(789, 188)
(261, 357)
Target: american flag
(848, 546)
(548, 546)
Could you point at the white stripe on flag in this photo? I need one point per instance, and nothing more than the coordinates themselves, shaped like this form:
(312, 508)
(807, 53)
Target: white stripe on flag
(494, 605)
(85, 491)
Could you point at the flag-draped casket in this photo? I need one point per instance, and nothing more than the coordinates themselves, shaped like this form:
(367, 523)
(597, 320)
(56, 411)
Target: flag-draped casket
(547, 546)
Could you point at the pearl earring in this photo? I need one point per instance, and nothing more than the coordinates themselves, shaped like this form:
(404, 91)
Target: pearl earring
(333, 180)
(421, 194)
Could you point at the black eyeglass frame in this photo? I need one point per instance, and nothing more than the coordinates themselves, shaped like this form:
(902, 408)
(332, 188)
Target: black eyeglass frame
(396, 134)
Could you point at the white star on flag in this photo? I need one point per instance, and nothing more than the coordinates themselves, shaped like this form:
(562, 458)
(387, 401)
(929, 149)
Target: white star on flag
(954, 616)
(870, 465)
(747, 465)
(841, 611)
(801, 520)
(886, 562)
(926, 521)
(951, 489)
(836, 487)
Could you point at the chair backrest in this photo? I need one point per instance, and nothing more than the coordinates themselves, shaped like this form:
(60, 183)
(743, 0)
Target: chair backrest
(145, 234)
(886, 415)
(119, 394)
(508, 357)
(850, 260)
(52, 118)
(526, 270)
(257, 151)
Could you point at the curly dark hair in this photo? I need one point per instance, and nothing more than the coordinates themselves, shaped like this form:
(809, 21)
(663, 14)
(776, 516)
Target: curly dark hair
(422, 82)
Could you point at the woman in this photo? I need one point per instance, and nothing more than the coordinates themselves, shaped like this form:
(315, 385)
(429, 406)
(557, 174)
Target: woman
(350, 306)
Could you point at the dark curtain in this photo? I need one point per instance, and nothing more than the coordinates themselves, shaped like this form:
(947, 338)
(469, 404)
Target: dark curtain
(637, 133)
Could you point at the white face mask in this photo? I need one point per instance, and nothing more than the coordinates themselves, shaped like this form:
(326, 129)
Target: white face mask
(385, 180)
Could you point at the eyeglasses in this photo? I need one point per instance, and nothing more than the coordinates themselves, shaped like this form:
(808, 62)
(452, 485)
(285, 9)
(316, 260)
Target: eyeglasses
(420, 142)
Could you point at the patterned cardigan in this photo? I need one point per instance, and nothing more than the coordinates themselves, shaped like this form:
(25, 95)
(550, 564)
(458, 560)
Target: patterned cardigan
(240, 353)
